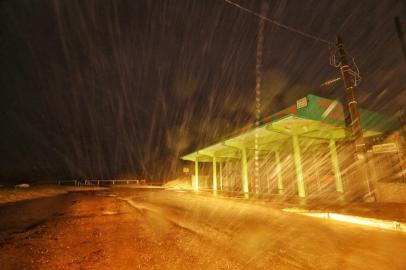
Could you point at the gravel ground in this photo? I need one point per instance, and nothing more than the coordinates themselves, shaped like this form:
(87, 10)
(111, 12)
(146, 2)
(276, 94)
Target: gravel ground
(15, 194)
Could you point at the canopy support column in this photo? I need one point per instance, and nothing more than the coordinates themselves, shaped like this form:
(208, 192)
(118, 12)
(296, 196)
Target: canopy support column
(214, 173)
(244, 170)
(279, 171)
(221, 175)
(298, 166)
(196, 182)
(336, 166)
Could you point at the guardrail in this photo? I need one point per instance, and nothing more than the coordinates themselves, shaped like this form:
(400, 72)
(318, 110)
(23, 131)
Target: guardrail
(99, 182)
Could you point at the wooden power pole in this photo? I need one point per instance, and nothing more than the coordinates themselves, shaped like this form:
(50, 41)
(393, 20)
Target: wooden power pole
(350, 81)
(400, 36)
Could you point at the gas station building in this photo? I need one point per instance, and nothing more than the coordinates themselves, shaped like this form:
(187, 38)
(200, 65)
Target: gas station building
(303, 150)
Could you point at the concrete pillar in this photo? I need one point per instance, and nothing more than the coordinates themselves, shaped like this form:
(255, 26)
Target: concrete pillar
(214, 173)
(315, 166)
(298, 166)
(336, 166)
(244, 171)
(279, 171)
(196, 175)
(221, 175)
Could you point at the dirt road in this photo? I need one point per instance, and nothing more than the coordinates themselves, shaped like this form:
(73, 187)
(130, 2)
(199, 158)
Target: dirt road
(128, 229)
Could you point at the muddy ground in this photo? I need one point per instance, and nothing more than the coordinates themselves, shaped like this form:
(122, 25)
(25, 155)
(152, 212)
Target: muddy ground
(128, 229)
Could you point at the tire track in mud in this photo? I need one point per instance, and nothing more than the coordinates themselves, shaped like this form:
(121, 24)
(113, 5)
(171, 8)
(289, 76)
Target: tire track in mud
(221, 239)
(236, 227)
(143, 208)
(205, 244)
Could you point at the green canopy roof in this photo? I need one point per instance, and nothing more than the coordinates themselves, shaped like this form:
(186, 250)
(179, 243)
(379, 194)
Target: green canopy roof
(311, 117)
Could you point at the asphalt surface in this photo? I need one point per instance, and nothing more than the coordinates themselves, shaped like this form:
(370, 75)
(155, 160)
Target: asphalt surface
(158, 229)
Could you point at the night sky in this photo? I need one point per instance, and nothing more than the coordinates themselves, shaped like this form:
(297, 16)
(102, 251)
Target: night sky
(120, 89)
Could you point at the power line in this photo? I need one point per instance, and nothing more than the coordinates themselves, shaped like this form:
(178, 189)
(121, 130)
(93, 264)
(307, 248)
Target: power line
(287, 27)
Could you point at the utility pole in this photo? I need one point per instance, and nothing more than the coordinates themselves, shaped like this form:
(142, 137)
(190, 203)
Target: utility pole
(400, 36)
(402, 145)
(349, 77)
(402, 118)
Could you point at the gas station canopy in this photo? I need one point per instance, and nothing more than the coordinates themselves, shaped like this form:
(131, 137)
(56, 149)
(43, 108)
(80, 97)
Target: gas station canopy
(312, 118)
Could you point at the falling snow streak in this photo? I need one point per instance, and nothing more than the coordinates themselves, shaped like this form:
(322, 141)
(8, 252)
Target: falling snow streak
(258, 74)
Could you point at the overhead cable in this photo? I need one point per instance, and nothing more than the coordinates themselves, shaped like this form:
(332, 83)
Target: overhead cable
(279, 24)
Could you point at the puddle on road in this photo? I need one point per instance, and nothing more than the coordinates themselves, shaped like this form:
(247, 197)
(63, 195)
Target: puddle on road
(109, 213)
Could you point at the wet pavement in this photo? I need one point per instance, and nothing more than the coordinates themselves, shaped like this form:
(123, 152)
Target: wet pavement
(157, 229)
